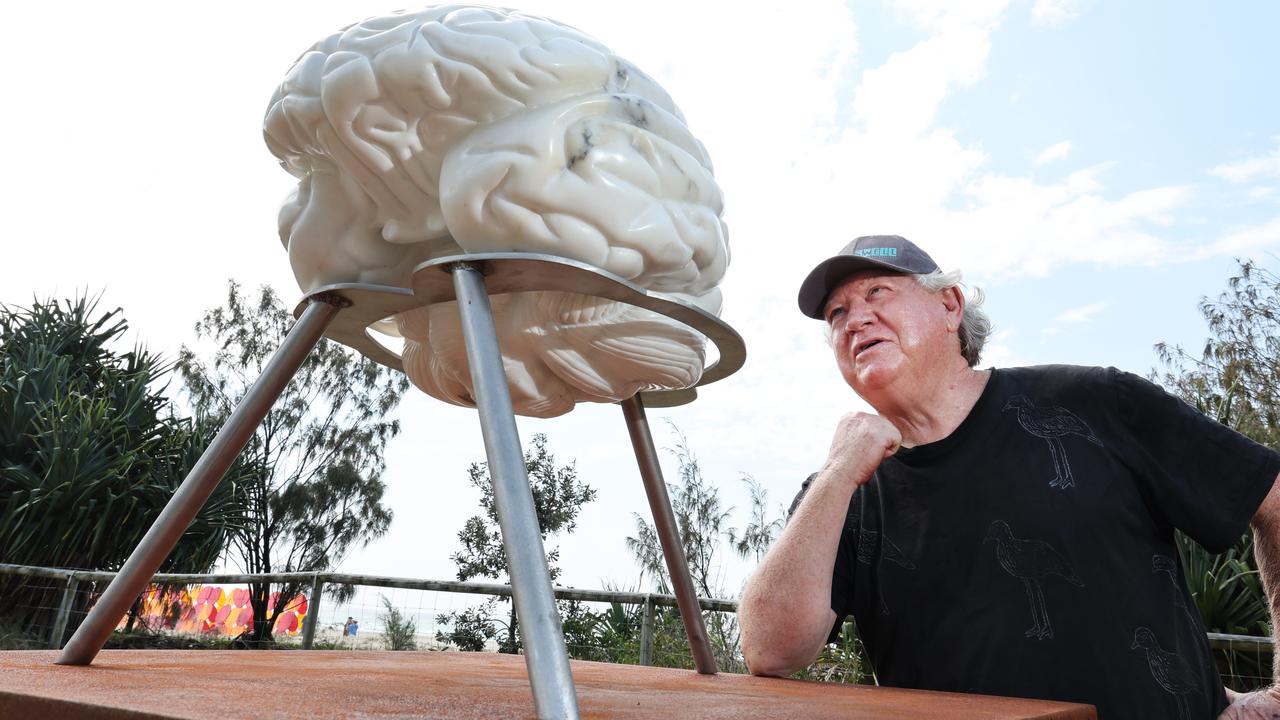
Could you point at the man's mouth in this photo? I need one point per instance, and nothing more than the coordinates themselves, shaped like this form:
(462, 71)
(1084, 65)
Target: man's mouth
(863, 346)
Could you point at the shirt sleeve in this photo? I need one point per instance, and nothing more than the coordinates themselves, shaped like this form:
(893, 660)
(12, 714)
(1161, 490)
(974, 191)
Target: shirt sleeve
(1203, 477)
(842, 573)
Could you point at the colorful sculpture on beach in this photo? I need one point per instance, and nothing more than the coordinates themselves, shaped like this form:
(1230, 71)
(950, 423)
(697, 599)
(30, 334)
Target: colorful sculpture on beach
(211, 610)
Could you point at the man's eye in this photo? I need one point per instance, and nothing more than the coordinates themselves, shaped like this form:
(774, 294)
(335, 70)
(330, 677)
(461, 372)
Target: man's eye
(835, 313)
(874, 290)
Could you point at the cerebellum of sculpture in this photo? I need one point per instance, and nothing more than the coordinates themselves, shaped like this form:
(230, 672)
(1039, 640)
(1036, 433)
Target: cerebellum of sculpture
(469, 129)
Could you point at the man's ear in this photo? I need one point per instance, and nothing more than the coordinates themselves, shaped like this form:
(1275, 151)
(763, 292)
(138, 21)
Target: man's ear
(953, 302)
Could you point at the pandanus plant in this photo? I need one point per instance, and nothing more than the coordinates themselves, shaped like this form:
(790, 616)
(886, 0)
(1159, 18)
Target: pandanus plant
(90, 452)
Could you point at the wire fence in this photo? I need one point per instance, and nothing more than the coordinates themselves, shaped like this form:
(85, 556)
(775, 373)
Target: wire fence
(56, 600)
(398, 613)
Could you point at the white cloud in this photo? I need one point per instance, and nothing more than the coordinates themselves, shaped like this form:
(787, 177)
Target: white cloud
(1056, 151)
(941, 16)
(999, 351)
(1250, 169)
(1055, 12)
(1072, 316)
(902, 96)
(1080, 314)
(896, 170)
(1244, 241)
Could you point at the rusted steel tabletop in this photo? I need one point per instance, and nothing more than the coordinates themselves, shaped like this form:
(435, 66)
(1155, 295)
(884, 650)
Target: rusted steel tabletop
(338, 684)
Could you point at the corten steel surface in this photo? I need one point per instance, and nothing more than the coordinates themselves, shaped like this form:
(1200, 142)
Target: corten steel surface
(126, 684)
(195, 489)
(522, 272)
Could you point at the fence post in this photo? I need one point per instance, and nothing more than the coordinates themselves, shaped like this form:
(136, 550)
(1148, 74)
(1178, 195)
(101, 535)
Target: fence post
(64, 611)
(646, 631)
(313, 612)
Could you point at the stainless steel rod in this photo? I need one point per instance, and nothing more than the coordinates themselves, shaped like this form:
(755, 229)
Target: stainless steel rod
(546, 657)
(664, 521)
(194, 491)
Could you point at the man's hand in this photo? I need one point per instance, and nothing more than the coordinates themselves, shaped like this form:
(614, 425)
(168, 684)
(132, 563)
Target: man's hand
(861, 443)
(785, 613)
(1261, 704)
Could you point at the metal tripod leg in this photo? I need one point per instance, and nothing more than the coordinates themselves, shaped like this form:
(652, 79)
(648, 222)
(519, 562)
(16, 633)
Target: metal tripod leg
(664, 521)
(194, 491)
(546, 657)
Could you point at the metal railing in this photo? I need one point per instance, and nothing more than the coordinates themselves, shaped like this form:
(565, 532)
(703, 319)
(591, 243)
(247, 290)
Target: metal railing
(71, 580)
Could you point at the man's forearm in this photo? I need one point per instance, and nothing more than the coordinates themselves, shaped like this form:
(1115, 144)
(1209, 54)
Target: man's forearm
(786, 609)
(1266, 551)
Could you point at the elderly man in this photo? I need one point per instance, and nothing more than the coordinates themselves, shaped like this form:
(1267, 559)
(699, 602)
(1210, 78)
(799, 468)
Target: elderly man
(1004, 531)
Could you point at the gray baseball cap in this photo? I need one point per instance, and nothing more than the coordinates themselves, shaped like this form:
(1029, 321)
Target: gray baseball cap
(890, 252)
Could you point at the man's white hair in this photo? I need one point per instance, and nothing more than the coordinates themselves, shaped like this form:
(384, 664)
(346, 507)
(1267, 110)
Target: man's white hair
(975, 325)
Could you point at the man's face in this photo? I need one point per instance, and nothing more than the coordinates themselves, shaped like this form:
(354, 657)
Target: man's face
(886, 328)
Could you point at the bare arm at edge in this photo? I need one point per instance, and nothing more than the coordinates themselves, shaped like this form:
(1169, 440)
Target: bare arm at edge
(786, 606)
(1264, 703)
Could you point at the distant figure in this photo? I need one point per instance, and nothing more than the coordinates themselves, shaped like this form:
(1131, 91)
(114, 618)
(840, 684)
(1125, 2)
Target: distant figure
(353, 628)
(950, 463)
(346, 626)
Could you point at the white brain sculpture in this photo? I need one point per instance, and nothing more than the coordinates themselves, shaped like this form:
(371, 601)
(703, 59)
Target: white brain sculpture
(469, 129)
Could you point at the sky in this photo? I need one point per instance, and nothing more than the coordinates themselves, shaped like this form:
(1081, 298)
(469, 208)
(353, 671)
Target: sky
(1096, 168)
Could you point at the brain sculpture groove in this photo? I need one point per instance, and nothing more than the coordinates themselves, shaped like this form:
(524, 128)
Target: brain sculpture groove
(468, 129)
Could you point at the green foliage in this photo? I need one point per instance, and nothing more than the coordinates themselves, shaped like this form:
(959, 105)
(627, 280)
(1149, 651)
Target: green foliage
(398, 631)
(703, 525)
(13, 636)
(1235, 379)
(470, 629)
(558, 497)
(840, 662)
(1226, 587)
(701, 522)
(760, 532)
(90, 452)
(1228, 592)
(316, 489)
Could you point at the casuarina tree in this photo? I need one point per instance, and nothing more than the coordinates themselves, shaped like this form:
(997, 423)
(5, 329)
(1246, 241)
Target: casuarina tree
(1235, 379)
(558, 497)
(703, 524)
(316, 487)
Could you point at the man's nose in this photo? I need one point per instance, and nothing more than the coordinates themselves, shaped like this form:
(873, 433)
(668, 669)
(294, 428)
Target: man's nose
(855, 318)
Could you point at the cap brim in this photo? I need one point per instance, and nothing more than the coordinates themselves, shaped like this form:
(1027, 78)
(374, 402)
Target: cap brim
(830, 273)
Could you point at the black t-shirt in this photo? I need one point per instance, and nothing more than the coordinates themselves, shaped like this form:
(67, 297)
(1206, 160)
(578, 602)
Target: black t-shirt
(1030, 553)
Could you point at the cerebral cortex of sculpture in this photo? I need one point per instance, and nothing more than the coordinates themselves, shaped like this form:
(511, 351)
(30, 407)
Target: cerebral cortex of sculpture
(466, 129)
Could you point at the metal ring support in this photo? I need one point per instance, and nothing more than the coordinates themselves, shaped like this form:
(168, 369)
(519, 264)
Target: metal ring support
(523, 272)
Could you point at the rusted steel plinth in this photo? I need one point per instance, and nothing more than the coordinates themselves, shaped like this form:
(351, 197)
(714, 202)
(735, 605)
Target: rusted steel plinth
(130, 684)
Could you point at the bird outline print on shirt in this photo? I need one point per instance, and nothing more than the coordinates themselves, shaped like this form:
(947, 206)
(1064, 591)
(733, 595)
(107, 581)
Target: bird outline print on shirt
(1030, 561)
(868, 540)
(1051, 423)
(1169, 565)
(1189, 627)
(1168, 669)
